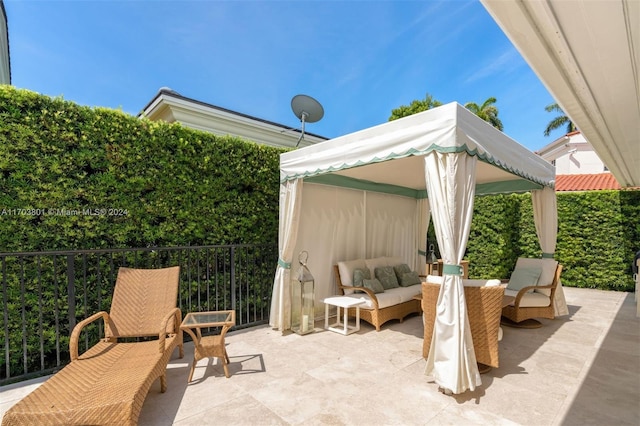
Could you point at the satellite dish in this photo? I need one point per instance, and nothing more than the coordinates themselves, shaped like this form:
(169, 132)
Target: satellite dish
(307, 110)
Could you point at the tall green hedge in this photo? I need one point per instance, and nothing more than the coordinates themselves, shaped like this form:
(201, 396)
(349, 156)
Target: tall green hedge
(64, 168)
(74, 177)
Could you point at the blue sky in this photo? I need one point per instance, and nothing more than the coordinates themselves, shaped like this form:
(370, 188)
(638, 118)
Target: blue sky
(359, 59)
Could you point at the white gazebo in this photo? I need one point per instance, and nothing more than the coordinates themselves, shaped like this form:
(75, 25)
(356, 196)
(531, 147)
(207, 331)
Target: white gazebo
(371, 193)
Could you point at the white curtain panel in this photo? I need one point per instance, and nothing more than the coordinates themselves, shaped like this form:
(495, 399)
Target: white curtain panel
(391, 226)
(545, 216)
(289, 216)
(424, 214)
(451, 187)
(332, 229)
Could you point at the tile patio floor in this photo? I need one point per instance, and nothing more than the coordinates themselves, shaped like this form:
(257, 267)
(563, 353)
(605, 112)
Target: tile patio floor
(576, 370)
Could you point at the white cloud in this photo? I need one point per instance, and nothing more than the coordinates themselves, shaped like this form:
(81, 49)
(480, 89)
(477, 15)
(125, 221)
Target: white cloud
(509, 61)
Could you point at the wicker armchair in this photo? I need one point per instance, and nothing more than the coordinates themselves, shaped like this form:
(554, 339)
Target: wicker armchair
(483, 308)
(109, 382)
(529, 305)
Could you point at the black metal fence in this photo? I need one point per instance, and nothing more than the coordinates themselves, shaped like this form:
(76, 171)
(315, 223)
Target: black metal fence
(44, 294)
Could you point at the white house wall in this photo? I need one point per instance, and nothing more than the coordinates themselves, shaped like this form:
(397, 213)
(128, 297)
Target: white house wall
(580, 162)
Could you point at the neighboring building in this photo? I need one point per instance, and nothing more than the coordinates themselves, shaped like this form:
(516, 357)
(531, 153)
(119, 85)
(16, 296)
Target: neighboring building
(572, 154)
(578, 167)
(5, 60)
(170, 106)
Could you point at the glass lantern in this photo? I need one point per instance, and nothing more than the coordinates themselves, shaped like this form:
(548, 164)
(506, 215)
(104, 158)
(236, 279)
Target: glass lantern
(302, 297)
(433, 268)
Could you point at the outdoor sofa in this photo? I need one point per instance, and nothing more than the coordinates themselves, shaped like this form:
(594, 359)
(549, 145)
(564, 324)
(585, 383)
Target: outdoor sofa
(379, 307)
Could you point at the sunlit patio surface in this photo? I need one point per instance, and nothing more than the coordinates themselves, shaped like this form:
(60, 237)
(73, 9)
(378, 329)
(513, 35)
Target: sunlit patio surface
(576, 370)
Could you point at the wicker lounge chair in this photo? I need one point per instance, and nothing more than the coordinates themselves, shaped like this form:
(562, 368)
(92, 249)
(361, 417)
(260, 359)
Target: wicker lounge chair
(484, 305)
(109, 382)
(529, 304)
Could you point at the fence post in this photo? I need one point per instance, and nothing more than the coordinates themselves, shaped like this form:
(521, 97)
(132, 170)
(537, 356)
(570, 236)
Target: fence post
(233, 277)
(71, 293)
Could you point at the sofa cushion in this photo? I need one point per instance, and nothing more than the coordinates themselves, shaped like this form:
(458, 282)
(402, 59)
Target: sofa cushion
(522, 277)
(387, 277)
(386, 299)
(406, 293)
(393, 261)
(530, 300)
(377, 262)
(373, 285)
(346, 270)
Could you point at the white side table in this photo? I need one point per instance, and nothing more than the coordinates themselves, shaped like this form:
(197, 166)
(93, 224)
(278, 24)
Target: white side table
(345, 303)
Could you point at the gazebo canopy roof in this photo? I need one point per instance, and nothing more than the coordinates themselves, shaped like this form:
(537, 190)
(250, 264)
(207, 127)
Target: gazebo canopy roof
(388, 157)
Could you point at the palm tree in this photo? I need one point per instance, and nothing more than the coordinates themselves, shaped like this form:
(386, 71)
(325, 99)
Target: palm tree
(559, 121)
(415, 107)
(487, 111)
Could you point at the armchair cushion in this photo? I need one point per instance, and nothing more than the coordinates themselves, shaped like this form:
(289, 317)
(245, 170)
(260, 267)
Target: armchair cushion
(530, 300)
(548, 267)
(524, 277)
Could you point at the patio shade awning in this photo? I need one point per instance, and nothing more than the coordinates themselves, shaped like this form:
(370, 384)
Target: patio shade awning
(587, 54)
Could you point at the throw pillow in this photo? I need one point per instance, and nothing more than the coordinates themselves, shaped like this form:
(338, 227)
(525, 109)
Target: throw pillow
(373, 285)
(524, 277)
(359, 275)
(400, 270)
(387, 277)
(410, 278)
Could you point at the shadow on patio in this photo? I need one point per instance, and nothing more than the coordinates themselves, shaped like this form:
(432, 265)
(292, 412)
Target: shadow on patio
(579, 369)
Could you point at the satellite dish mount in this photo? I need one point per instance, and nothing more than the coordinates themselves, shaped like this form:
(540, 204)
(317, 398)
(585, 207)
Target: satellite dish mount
(307, 110)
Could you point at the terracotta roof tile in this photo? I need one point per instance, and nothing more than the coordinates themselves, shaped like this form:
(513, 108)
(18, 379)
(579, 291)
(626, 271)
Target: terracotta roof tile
(586, 182)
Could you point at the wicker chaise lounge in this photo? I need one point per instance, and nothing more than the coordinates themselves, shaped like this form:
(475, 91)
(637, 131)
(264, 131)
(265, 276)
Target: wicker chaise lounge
(109, 382)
